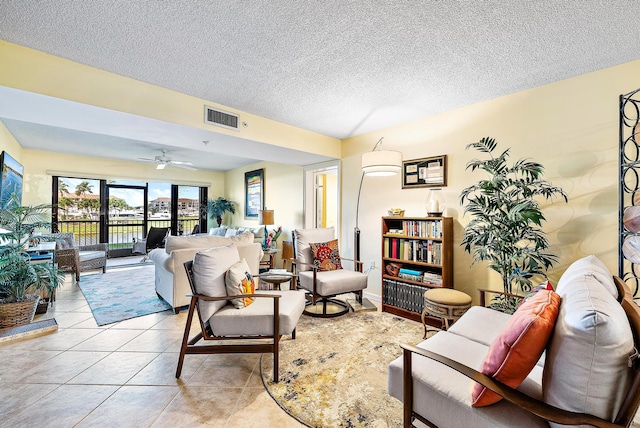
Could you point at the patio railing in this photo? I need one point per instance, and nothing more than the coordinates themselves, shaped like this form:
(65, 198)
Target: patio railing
(121, 231)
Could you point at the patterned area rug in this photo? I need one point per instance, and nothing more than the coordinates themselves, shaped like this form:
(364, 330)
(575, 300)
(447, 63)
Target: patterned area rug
(334, 374)
(122, 294)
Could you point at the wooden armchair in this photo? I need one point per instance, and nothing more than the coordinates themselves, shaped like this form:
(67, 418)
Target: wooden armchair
(75, 259)
(324, 285)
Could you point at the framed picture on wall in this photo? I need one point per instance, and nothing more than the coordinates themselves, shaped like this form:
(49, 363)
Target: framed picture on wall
(253, 193)
(425, 172)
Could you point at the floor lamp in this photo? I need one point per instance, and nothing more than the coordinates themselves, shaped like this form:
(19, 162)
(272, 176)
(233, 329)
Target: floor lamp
(376, 163)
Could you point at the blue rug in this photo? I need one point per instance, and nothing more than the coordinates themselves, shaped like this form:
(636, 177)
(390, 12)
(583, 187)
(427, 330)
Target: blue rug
(121, 294)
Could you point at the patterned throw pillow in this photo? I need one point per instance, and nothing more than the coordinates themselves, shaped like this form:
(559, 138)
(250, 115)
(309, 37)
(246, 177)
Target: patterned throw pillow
(326, 255)
(238, 281)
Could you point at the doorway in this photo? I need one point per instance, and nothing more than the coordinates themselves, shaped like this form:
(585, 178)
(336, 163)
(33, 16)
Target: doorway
(124, 217)
(322, 195)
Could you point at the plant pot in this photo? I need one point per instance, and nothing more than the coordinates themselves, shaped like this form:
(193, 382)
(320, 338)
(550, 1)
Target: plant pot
(18, 313)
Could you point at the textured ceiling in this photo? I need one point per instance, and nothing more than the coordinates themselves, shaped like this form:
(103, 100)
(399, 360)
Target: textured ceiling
(340, 68)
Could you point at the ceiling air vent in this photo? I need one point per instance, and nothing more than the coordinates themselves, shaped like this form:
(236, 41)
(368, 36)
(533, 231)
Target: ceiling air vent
(220, 118)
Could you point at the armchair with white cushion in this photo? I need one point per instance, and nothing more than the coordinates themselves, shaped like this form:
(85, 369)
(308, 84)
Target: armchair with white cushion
(321, 272)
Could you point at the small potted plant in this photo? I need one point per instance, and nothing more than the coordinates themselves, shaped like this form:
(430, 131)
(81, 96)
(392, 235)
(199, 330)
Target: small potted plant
(18, 275)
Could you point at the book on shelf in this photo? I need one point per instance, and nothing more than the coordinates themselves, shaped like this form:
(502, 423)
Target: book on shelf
(402, 295)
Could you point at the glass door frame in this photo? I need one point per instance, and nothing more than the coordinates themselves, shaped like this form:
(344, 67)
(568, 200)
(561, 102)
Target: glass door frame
(104, 214)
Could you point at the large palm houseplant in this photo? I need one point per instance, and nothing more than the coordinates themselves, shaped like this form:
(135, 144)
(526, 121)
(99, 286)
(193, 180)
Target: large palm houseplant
(18, 275)
(506, 225)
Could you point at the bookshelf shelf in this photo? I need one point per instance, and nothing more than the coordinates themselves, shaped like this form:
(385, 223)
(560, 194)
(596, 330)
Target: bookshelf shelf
(417, 254)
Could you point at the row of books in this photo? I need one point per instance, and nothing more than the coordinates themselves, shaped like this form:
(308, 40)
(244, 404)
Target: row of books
(413, 250)
(402, 295)
(419, 228)
(429, 278)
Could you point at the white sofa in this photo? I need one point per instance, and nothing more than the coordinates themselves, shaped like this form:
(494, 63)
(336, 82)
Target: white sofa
(586, 367)
(170, 276)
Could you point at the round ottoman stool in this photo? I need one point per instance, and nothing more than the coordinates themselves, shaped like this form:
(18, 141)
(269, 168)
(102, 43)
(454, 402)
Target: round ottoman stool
(444, 303)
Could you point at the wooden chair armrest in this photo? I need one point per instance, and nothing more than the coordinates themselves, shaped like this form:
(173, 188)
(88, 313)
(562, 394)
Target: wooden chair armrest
(213, 299)
(483, 293)
(518, 398)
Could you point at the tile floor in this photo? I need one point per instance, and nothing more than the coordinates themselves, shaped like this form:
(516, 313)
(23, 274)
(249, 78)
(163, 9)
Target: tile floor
(123, 374)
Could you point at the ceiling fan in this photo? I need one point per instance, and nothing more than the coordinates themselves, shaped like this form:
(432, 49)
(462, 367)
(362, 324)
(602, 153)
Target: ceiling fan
(163, 160)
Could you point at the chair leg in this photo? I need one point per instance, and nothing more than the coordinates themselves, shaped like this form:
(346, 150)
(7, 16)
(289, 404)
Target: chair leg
(185, 338)
(276, 357)
(77, 275)
(293, 334)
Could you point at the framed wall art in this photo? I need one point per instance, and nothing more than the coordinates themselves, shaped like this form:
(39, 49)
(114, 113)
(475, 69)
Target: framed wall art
(425, 172)
(253, 193)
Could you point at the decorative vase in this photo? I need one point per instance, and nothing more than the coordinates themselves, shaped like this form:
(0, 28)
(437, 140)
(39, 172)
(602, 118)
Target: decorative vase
(18, 313)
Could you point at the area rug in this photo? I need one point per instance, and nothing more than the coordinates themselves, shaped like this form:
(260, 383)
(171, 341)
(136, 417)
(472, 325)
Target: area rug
(334, 374)
(122, 294)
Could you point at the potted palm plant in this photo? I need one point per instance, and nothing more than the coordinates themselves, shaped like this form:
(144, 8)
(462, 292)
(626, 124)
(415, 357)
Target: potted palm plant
(217, 208)
(18, 275)
(506, 225)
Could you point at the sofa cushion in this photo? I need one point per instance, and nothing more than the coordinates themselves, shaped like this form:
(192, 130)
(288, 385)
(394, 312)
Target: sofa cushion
(243, 238)
(326, 255)
(238, 281)
(516, 350)
(218, 231)
(85, 256)
(480, 324)
(334, 282)
(209, 268)
(586, 368)
(590, 265)
(441, 394)
(191, 241)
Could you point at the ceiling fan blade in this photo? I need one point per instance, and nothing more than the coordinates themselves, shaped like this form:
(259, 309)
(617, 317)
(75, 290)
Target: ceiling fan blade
(190, 168)
(148, 160)
(175, 162)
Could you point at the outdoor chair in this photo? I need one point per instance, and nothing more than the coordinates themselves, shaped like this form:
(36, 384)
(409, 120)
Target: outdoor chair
(75, 259)
(256, 328)
(322, 273)
(156, 238)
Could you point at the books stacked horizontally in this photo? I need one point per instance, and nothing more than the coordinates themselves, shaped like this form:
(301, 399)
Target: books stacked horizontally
(430, 278)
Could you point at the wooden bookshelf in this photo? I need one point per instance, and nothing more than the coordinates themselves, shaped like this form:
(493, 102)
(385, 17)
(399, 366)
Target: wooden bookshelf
(422, 247)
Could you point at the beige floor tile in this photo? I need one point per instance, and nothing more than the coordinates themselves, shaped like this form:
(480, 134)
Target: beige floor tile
(214, 375)
(172, 322)
(246, 361)
(162, 370)
(154, 341)
(72, 305)
(107, 340)
(61, 340)
(63, 407)
(255, 380)
(91, 323)
(16, 361)
(69, 319)
(62, 367)
(131, 406)
(141, 323)
(200, 406)
(115, 369)
(15, 397)
(257, 405)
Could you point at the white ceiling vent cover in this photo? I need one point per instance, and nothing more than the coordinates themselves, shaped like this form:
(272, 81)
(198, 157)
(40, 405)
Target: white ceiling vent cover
(220, 118)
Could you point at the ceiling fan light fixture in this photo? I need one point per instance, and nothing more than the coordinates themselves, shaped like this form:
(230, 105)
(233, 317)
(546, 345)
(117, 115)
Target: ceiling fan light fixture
(160, 166)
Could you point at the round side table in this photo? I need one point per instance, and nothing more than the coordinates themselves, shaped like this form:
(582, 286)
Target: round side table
(444, 303)
(275, 279)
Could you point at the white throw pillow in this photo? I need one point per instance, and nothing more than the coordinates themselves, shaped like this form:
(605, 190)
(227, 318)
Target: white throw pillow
(586, 363)
(209, 268)
(238, 280)
(218, 231)
(589, 265)
(230, 232)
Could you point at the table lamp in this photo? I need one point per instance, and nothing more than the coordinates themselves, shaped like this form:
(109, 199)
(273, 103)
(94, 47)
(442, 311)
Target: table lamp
(265, 217)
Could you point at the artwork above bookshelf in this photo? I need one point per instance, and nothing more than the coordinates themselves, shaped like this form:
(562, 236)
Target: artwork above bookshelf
(417, 254)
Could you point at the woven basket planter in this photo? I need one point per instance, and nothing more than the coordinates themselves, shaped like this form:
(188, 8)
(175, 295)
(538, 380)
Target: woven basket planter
(18, 313)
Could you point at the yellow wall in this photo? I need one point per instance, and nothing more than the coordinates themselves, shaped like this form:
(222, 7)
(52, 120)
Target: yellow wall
(283, 195)
(571, 127)
(34, 71)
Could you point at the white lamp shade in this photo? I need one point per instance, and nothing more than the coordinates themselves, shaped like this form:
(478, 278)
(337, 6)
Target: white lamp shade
(381, 162)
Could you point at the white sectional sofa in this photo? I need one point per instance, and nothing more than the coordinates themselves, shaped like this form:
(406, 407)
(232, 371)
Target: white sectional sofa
(590, 364)
(170, 276)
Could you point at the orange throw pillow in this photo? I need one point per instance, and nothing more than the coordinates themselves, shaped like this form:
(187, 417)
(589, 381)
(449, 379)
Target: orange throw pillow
(516, 350)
